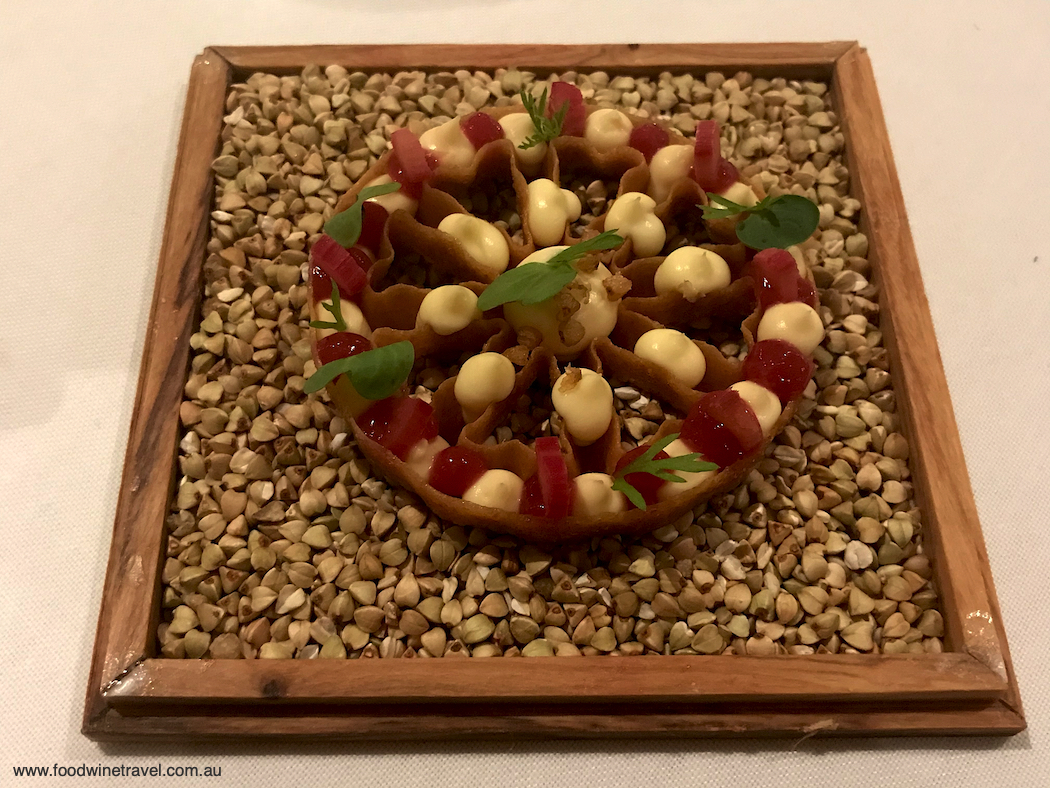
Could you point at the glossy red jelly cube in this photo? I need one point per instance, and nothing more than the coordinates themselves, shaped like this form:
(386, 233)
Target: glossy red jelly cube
(399, 423)
(373, 220)
(409, 188)
(341, 344)
(532, 498)
(777, 280)
(455, 469)
(710, 170)
(646, 484)
(649, 138)
(410, 165)
(776, 277)
(722, 427)
(320, 283)
(779, 366)
(728, 174)
(707, 154)
(556, 487)
(576, 115)
(807, 293)
(342, 265)
(481, 128)
(410, 156)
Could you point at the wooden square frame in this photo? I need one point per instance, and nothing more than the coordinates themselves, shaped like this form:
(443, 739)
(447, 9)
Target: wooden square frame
(969, 689)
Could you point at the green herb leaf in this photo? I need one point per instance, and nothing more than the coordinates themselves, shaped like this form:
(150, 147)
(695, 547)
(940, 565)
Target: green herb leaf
(345, 228)
(536, 282)
(661, 469)
(773, 223)
(631, 492)
(375, 374)
(787, 220)
(599, 243)
(338, 323)
(528, 284)
(546, 128)
(722, 208)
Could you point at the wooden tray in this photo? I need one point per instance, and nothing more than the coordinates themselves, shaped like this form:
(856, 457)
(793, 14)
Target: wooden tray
(969, 689)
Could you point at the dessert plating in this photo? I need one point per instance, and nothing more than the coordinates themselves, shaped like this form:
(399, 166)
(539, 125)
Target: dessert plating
(577, 310)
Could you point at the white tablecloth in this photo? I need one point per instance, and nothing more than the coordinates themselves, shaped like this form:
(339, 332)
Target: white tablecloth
(93, 95)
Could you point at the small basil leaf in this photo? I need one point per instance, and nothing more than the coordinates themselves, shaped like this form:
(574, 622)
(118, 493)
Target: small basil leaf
(536, 282)
(607, 240)
(787, 220)
(375, 374)
(345, 228)
(379, 373)
(326, 374)
(529, 284)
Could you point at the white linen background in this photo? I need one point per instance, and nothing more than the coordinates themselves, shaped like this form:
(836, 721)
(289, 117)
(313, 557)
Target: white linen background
(93, 96)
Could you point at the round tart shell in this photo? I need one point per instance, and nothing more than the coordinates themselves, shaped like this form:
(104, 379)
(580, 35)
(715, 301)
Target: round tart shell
(639, 311)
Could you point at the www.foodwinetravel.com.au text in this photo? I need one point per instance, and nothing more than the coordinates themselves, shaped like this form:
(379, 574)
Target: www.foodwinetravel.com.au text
(118, 770)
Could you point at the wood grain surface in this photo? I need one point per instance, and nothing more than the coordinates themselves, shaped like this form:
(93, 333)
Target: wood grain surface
(819, 678)
(942, 484)
(467, 727)
(127, 621)
(969, 691)
(798, 59)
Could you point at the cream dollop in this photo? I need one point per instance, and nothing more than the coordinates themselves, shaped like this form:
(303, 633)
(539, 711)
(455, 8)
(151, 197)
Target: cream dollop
(518, 127)
(449, 144)
(678, 448)
(497, 489)
(421, 456)
(585, 405)
(796, 322)
(595, 495)
(448, 309)
(596, 315)
(668, 166)
(693, 272)
(741, 194)
(632, 216)
(551, 208)
(352, 316)
(394, 200)
(480, 239)
(762, 401)
(675, 352)
(482, 380)
(607, 129)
